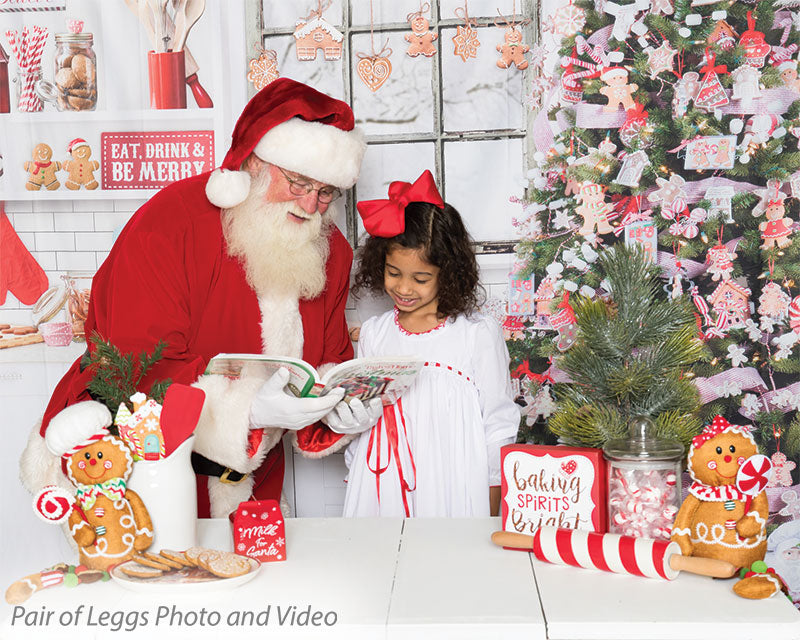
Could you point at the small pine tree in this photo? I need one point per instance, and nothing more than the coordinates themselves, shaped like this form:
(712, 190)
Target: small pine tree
(117, 376)
(629, 358)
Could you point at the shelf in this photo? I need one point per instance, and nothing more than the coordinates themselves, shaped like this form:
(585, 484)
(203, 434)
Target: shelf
(130, 117)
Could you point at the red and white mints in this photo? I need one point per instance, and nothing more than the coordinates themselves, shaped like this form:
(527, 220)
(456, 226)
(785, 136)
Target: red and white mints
(606, 552)
(642, 503)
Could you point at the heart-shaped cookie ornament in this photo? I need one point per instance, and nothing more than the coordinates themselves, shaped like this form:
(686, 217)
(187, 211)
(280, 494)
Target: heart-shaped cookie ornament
(569, 467)
(374, 71)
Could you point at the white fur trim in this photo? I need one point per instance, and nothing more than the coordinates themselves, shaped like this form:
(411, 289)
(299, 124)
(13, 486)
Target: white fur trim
(316, 150)
(340, 444)
(37, 466)
(221, 433)
(225, 498)
(72, 427)
(281, 326)
(226, 188)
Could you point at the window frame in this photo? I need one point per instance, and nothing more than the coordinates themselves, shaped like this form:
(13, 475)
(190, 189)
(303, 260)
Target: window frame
(257, 33)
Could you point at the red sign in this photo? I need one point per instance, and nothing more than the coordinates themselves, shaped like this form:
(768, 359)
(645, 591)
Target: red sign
(553, 486)
(154, 159)
(259, 531)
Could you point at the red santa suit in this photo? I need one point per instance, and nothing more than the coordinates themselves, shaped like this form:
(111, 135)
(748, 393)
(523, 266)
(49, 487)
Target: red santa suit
(169, 277)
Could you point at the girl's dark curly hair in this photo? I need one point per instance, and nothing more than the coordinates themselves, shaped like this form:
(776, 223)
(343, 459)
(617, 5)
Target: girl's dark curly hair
(445, 243)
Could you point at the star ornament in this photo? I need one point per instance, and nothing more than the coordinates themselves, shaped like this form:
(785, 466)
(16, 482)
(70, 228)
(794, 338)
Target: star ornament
(661, 59)
(466, 42)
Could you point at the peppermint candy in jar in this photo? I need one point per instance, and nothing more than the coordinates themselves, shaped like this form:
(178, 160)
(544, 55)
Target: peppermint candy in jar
(643, 482)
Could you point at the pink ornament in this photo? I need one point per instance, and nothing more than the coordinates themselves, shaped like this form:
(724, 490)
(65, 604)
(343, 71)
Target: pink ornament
(782, 476)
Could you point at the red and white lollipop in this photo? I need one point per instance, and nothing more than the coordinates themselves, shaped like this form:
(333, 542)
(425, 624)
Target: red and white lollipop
(53, 504)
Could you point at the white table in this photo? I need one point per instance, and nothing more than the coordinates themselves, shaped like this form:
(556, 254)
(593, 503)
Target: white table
(421, 579)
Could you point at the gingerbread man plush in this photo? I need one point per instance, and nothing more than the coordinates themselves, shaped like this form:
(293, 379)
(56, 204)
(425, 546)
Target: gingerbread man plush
(720, 518)
(107, 521)
(618, 91)
(42, 169)
(420, 39)
(513, 50)
(81, 169)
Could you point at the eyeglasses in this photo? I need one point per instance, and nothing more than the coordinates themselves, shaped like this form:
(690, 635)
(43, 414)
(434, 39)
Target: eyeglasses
(297, 187)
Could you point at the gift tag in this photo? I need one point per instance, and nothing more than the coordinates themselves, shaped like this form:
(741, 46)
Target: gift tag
(259, 531)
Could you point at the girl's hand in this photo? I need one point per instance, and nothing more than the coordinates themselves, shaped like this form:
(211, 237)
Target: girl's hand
(354, 417)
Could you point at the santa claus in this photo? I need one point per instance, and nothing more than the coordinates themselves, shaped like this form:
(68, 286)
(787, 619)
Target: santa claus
(245, 259)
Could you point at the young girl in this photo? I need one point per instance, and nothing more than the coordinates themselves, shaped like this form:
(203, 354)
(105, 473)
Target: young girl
(436, 452)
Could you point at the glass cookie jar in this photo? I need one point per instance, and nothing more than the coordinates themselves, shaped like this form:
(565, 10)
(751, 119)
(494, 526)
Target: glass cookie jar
(74, 86)
(643, 482)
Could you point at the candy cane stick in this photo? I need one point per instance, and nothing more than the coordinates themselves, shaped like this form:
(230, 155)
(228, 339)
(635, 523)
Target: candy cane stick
(23, 589)
(612, 552)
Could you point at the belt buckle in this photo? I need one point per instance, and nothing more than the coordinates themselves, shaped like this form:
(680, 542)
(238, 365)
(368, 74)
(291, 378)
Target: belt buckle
(226, 480)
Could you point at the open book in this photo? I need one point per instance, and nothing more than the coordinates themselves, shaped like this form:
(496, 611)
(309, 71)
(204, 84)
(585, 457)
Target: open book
(363, 378)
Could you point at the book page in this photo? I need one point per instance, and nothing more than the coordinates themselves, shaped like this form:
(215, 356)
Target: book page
(237, 365)
(367, 378)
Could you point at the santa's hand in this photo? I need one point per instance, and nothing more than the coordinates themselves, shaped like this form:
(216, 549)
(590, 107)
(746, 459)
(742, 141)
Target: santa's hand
(355, 416)
(274, 407)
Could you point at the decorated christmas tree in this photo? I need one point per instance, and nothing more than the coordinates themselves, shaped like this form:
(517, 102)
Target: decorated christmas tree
(674, 126)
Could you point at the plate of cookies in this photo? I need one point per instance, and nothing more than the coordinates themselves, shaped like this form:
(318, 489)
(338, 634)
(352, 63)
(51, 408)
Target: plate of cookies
(197, 569)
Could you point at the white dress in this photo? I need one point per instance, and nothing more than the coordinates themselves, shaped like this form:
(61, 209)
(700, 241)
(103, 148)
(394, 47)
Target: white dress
(451, 423)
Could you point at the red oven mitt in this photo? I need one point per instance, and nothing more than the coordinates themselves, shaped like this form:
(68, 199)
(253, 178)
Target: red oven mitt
(19, 271)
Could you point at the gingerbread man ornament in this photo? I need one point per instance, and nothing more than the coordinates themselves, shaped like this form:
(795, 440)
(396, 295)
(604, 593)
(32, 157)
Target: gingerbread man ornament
(80, 168)
(513, 50)
(42, 169)
(618, 91)
(420, 39)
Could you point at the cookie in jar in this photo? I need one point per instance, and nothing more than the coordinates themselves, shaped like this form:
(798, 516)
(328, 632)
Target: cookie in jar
(75, 72)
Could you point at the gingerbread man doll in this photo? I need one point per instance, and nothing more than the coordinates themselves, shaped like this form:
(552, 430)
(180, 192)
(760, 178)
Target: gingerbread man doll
(42, 169)
(618, 91)
(513, 50)
(420, 39)
(776, 229)
(80, 168)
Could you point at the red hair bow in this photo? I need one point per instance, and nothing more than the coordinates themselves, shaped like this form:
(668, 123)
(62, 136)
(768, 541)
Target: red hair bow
(386, 218)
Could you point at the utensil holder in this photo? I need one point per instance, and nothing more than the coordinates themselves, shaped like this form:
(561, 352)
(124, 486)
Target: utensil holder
(166, 72)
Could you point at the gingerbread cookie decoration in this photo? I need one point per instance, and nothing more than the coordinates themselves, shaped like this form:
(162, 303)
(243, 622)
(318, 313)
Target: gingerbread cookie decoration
(420, 39)
(513, 50)
(108, 522)
(42, 169)
(724, 516)
(80, 168)
(594, 209)
(777, 228)
(618, 90)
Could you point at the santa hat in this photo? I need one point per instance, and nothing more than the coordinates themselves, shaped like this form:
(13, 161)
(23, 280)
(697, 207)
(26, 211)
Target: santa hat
(611, 72)
(77, 426)
(76, 143)
(294, 127)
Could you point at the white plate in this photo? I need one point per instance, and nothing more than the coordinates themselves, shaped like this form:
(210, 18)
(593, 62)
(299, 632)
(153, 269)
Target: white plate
(182, 580)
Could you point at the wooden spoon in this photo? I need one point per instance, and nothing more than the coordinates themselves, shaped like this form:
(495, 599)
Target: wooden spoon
(192, 10)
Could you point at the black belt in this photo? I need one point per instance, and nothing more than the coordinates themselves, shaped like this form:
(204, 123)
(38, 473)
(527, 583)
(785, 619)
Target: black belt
(206, 467)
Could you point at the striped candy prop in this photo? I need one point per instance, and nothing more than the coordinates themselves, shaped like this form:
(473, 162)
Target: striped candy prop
(27, 47)
(606, 552)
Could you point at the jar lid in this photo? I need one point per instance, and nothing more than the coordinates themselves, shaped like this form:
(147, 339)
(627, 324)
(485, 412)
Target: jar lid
(74, 37)
(643, 444)
(49, 304)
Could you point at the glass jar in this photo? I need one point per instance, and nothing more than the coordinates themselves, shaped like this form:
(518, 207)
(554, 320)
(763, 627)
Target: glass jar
(643, 482)
(79, 287)
(75, 72)
(27, 97)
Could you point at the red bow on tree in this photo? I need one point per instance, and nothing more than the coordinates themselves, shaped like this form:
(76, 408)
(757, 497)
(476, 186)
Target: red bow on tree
(386, 218)
(711, 66)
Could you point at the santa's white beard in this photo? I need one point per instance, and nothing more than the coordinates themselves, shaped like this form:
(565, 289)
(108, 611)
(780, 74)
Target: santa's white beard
(279, 256)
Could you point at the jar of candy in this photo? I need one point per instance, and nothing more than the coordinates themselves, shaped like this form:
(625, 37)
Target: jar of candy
(79, 287)
(643, 482)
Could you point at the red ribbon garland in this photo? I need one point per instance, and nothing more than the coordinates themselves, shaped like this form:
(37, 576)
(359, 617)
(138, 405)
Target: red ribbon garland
(386, 218)
(392, 434)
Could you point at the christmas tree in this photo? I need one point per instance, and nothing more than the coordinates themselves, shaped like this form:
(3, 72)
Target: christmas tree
(676, 127)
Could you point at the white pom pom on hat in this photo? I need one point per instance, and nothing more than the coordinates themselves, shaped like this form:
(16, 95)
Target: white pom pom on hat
(295, 127)
(77, 426)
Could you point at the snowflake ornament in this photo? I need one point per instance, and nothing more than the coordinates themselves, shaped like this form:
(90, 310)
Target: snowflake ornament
(661, 59)
(263, 69)
(736, 355)
(729, 388)
(466, 42)
(568, 20)
(561, 219)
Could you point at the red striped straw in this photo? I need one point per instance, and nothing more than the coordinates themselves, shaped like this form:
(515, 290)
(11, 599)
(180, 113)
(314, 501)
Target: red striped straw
(27, 48)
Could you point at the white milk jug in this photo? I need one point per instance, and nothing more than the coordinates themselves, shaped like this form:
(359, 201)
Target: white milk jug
(167, 488)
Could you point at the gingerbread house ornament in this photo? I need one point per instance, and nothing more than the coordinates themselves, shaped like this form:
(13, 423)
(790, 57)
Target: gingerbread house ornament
(632, 167)
(141, 430)
(317, 33)
(734, 300)
(723, 35)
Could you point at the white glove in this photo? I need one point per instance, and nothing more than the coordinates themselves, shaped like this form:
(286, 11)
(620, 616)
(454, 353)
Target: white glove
(354, 417)
(274, 407)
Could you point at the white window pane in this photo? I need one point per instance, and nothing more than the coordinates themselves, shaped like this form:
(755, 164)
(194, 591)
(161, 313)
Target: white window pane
(477, 95)
(382, 11)
(385, 163)
(480, 177)
(285, 13)
(323, 75)
(404, 103)
(480, 8)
